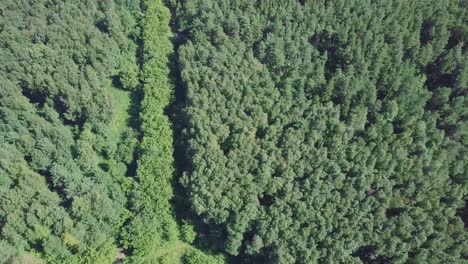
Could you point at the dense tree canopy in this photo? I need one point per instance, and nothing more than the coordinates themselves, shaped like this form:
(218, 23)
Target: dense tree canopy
(206, 131)
(330, 132)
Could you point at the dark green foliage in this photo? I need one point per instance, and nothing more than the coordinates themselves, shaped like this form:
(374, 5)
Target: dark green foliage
(329, 132)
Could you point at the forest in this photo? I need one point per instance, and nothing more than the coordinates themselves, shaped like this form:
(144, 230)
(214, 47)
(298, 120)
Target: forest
(233, 131)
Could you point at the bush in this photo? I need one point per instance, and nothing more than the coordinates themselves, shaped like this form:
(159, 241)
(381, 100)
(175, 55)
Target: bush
(187, 232)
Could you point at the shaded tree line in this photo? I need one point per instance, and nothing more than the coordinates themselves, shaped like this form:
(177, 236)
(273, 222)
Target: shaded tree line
(153, 226)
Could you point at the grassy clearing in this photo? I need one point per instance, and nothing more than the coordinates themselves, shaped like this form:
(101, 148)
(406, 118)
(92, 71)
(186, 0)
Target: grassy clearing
(173, 252)
(121, 118)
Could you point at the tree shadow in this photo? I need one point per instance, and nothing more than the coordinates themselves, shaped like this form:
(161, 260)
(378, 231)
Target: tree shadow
(210, 237)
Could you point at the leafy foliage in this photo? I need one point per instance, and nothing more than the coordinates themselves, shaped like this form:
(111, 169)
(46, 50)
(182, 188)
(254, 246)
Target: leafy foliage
(188, 233)
(63, 187)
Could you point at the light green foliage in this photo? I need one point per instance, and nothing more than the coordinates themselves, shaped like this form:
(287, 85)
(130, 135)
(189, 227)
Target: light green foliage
(61, 197)
(153, 222)
(66, 134)
(328, 132)
(187, 232)
(129, 74)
